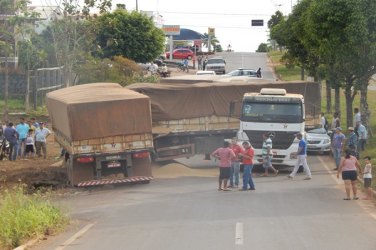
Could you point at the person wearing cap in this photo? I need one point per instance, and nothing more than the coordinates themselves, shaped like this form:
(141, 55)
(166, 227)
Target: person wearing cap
(301, 156)
(41, 135)
(352, 141)
(337, 145)
(267, 155)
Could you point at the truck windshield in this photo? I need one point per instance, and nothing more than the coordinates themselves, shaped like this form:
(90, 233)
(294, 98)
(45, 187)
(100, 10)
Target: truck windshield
(272, 112)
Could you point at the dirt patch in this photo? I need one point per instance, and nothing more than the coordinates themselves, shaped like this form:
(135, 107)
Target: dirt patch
(174, 170)
(34, 172)
(39, 171)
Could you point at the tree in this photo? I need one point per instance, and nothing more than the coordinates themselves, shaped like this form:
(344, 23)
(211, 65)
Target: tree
(129, 34)
(13, 24)
(213, 40)
(345, 33)
(275, 19)
(263, 47)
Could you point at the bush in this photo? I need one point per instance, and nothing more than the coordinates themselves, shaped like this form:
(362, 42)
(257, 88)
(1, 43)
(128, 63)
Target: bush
(23, 217)
(119, 70)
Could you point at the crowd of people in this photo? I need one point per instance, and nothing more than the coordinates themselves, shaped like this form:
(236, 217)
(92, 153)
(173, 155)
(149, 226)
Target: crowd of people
(348, 167)
(26, 139)
(231, 155)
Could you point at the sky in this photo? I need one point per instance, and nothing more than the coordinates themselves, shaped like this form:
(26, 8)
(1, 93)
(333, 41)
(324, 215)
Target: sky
(230, 19)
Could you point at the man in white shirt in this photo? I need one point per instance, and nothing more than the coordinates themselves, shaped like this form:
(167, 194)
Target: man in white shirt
(357, 116)
(41, 135)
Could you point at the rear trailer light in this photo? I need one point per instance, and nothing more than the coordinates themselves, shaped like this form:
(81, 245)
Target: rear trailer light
(141, 155)
(85, 159)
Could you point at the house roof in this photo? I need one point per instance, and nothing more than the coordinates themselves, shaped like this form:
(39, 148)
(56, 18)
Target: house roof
(187, 35)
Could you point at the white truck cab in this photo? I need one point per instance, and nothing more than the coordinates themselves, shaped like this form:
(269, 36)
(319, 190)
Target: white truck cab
(277, 113)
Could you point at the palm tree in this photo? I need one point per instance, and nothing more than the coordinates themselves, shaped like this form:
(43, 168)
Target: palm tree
(213, 41)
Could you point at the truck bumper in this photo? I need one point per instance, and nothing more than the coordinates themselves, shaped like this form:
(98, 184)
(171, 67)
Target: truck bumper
(130, 180)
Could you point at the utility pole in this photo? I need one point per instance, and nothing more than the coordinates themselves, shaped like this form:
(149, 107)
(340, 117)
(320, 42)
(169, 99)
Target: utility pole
(137, 5)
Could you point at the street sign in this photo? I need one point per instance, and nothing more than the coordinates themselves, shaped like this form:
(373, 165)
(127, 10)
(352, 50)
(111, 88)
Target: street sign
(211, 31)
(257, 22)
(171, 30)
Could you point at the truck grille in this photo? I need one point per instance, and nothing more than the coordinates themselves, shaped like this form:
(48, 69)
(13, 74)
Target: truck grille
(281, 140)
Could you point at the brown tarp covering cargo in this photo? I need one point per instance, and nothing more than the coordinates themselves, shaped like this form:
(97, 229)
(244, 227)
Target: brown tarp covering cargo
(98, 110)
(173, 101)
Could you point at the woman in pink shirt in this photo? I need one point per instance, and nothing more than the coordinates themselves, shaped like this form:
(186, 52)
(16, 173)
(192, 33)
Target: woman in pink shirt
(348, 168)
(225, 155)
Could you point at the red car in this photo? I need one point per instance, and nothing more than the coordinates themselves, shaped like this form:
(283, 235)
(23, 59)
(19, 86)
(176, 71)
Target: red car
(180, 54)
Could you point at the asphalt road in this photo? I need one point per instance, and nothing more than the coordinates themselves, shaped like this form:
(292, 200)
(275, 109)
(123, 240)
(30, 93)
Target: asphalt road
(247, 60)
(188, 213)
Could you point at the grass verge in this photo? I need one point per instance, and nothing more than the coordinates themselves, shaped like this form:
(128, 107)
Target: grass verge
(23, 217)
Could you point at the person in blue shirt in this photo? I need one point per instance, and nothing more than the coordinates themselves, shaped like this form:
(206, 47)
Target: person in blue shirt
(301, 156)
(22, 129)
(185, 63)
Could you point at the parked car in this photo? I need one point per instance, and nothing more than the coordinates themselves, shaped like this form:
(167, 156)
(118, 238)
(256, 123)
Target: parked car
(216, 64)
(205, 72)
(180, 54)
(243, 72)
(318, 140)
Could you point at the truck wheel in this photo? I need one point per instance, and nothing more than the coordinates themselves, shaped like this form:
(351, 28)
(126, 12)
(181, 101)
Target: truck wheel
(69, 169)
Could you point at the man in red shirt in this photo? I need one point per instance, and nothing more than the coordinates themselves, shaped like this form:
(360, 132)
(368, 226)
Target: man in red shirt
(247, 156)
(225, 155)
(235, 164)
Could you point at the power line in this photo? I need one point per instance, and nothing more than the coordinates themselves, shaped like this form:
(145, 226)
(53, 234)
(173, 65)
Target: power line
(214, 13)
(216, 26)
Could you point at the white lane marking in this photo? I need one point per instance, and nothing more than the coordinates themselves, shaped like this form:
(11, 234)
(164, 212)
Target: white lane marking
(239, 233)
(75, 237)
(330, 171)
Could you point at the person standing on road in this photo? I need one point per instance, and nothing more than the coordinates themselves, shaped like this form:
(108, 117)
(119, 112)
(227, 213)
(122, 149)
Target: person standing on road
(348, 169)
(267, 155)
(247, 156)
(235, 163)
(225, 155)
(301, 155)
(22, 130)
(41, 135)
(367, 178)
(204, 63)
(199, 62)
(185, 63)
(258, 73)
(362, 136)
(324, 122)
(352, 141)
(337, 145)
(11, 135)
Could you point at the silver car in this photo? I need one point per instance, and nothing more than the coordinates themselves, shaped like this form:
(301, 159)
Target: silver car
(318, 140)
(243, 72)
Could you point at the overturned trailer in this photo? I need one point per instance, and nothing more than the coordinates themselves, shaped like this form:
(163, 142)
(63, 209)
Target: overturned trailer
(194, 118)
(105, 131)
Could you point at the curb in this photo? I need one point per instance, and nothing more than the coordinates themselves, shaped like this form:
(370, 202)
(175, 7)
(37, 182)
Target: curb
(28, 244)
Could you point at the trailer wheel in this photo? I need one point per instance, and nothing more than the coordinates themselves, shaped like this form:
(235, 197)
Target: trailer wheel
(68, 164)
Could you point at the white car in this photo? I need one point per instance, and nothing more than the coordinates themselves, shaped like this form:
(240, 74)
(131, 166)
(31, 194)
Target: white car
(205, 72)
(318, 140)
(243, 72)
